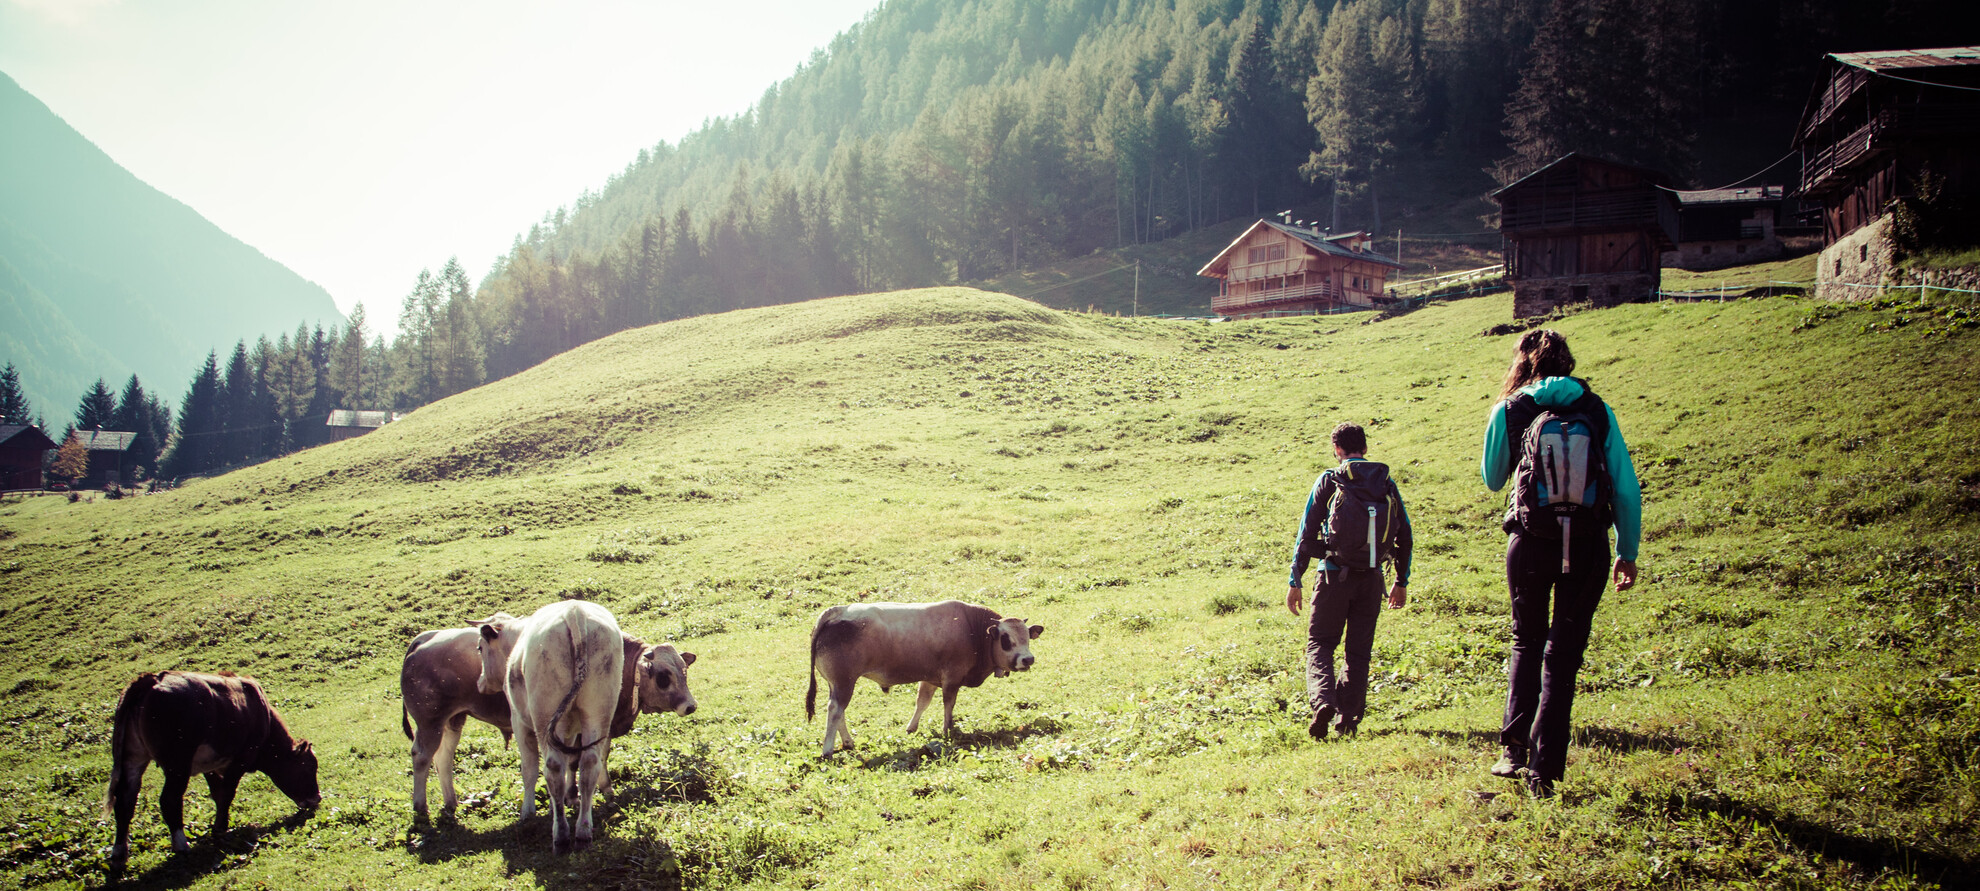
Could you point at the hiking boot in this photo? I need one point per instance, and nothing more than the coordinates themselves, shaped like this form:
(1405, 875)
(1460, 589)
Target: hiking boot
(1346, 729)
(1512, 762)
(1318, 728)
(1539, 788)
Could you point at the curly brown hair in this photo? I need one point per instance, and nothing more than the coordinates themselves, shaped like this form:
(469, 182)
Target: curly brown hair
(1542, 352)
(1351, 439)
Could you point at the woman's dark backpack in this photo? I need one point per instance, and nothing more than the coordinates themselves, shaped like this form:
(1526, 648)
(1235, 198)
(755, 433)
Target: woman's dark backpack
(1561, 485)
(1361, 516)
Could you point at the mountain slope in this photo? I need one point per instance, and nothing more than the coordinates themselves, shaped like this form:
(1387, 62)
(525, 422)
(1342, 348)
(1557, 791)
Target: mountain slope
(1792, 690)
(135, 274)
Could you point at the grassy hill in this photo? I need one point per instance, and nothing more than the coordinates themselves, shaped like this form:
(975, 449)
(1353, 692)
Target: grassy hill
(1790, 697)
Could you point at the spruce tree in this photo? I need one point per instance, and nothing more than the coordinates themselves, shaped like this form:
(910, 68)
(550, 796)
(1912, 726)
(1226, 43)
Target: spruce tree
(14, 407)
(196, 447)
(98, 409)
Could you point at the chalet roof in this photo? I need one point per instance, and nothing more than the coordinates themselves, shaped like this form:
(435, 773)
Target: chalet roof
(344, 417)
(1313, 238)
(25, 436)
(1656, 177)
(1891, 60)
(105, 440)
(1752, 194)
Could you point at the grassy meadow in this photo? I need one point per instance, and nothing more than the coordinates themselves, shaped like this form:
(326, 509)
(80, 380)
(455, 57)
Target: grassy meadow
(1789, 698)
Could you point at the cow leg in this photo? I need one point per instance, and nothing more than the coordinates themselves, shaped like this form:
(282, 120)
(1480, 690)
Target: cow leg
(450, 737)
(425, 742)
(172, 807)
(835, 717)
(604, 775)
(526, 748)
(556, 775)
(921, 698)
(222, 785)
(590, 766)
(949, 710)
(125, 782)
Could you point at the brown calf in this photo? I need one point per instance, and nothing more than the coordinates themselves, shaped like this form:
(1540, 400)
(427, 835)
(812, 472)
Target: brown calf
(217, 725)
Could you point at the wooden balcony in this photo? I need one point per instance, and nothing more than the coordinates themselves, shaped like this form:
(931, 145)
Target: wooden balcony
(1251, 301)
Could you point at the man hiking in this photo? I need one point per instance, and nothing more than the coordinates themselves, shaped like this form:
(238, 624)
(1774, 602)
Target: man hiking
(1558, 443)
(1354, 521)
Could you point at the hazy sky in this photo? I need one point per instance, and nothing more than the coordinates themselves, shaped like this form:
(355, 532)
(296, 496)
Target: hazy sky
(359, 141)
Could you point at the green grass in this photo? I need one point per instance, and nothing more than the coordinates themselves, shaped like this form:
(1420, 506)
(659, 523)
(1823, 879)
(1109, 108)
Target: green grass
(1738, 279)
(1790, 697)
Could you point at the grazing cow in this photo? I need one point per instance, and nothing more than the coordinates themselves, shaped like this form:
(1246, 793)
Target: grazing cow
(218, 725)
(562, 668)
(437, 686)
(947, 645)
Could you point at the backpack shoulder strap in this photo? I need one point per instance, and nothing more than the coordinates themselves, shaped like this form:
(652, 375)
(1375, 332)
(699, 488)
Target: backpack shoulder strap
(1596, 411)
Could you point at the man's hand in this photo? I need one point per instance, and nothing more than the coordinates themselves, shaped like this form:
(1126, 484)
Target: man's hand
(1293, 599)
(1398, 596)
(1625, 574)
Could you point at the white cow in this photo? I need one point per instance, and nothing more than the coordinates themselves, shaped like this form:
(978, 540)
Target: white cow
(561, 668)
(941, 646)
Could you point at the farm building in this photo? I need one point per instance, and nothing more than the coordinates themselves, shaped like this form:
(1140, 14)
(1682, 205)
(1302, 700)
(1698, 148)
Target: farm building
(1277, 268)
(1878, 124)
(1585, 230)
(109, 457)
(22, 450)
(1729, 227)
(345, 423)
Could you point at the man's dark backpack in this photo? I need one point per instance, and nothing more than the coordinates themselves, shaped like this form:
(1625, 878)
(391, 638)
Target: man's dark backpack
(1361, 516)
(1561, 486)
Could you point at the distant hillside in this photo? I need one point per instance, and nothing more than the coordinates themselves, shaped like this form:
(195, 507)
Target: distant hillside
(102, 275)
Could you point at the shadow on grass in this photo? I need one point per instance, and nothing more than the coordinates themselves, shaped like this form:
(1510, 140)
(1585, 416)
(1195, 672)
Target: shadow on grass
(613, 860)
(1949, 870)
(208, 855)
(1613, 739)
(912, 757)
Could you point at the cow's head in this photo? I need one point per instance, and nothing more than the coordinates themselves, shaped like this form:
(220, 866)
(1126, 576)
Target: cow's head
(294, 772)
(663, 685)
(498, 636)
(1010, 645)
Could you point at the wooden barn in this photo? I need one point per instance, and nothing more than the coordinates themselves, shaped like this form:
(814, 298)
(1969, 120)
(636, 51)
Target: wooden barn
(1876, 123)
(22, 449)
(345, 423)
(1585, 230)
(1277, 268)
(109, 457)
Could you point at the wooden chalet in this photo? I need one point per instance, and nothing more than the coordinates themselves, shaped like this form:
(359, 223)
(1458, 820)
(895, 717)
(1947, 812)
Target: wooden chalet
(109, 457)
(23, 449)
(1876, 122)
(345, 423)
(1585, 230)
(1277, 268)
(1728, 227)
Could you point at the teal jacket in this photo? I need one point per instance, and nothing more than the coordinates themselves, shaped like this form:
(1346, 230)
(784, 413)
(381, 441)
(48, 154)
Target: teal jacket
(1497, 464)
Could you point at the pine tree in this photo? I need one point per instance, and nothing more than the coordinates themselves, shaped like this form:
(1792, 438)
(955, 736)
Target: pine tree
(14, 407)
(462, 365)
(347, 368)
(98, 409)
(197, 446)
(238, 438)
(141, 413)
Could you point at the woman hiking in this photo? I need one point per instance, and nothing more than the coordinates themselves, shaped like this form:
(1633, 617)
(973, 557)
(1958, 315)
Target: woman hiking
(1560, 446)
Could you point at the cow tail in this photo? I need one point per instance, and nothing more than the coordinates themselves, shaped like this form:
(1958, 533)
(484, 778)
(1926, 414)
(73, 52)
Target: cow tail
(811, 692)
(405, 720)
(122, 728)
(582, 659)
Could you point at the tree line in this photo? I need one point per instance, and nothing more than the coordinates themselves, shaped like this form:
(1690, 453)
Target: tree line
(939, 143)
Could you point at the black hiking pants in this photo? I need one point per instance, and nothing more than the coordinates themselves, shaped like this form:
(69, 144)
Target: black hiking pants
(1546, 653)
(1345, 603)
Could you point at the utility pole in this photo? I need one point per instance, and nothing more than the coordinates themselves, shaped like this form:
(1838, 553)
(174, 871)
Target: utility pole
(1136, 311)
(1399, 245)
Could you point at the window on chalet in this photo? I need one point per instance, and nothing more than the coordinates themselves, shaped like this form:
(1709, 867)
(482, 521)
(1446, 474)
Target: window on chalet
(1266, 252)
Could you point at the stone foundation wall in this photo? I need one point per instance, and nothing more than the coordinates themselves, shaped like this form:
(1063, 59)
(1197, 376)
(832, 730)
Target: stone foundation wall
(1540, 296)
(1857, 264)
